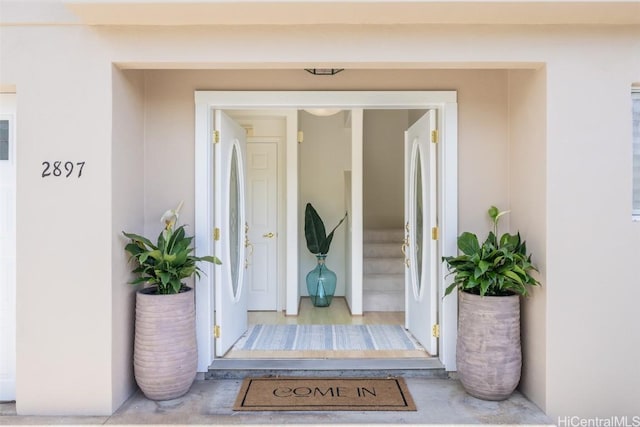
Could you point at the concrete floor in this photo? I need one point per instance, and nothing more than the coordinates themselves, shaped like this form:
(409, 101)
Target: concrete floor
(439, 401)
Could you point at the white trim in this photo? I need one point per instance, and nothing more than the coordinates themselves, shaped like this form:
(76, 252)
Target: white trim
(635, 213)
(291, 216)
(448, 215)
(203, 234)
(357, 210)
(446, 104)
(325, 99)
(11, 154)
(8, 328)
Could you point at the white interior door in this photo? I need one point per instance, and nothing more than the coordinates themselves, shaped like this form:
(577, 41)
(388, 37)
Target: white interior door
(421, 221)
(7, 249)
(231, 232)
(262, 211)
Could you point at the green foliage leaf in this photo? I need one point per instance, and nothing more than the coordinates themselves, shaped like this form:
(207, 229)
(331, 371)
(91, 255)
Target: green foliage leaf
(315, 233)
(495, 268)
(211, 259)
(166, 264)
(314, 230)
(468, 243)
(139, 240)
(493, 212)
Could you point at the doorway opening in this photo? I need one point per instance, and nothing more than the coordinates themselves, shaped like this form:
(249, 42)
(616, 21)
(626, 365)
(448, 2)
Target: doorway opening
(343, 186)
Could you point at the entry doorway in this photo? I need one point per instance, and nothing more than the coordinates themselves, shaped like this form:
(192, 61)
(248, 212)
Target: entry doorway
(327, 333)
(444, 102)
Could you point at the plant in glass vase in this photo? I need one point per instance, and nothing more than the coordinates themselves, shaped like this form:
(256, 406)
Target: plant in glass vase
(321, 282)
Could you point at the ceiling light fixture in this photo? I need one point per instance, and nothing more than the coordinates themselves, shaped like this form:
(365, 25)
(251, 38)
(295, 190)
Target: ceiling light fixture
(324, 71)
(323, 112)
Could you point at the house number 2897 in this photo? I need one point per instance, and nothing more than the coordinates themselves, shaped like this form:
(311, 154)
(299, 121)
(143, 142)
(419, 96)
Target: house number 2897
(65, 169)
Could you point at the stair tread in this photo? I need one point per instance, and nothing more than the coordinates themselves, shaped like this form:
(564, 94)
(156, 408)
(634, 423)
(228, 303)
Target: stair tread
(383, 275)
(390, 235)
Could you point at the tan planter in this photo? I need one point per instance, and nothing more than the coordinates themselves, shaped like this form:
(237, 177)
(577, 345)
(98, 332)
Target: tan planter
(165, 353)
(489, 356)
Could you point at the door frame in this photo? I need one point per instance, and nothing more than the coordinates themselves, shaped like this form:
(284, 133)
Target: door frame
(8, 330)
(287, 103)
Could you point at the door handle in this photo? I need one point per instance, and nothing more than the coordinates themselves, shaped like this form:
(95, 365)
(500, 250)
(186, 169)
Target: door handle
(247, 244)
(268, 235)
(405, 245)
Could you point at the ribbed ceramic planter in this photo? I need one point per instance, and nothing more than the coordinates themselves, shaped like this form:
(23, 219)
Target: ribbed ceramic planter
(489, 356)
(165, 353)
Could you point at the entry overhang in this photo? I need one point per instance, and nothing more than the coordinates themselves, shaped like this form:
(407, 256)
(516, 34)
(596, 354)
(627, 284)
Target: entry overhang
(359, 12)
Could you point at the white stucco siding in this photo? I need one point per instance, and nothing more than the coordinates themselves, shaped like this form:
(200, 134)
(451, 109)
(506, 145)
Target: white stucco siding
(63, 77)
(63, 224)
(593, 246)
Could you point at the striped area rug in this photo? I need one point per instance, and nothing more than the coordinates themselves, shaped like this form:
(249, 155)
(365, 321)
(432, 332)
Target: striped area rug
(326, 337)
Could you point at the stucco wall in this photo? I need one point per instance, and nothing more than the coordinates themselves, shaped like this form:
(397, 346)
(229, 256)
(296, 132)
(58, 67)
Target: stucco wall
(64, 225)
(528, 205)
(65, 299)
(593, 248)
(127, 198)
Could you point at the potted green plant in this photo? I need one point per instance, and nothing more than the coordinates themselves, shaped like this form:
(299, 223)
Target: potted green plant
(321, 282)
(490, 278)
(165, 352)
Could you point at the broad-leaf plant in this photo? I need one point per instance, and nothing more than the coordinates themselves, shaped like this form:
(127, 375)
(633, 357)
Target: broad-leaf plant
(169, 261)
(495, 268)
(318, 242)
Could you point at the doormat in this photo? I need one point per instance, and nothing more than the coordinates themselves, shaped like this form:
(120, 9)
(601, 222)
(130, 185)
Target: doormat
(324, 394)
(326, 337)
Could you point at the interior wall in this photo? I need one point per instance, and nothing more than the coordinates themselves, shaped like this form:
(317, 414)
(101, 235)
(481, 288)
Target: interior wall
(127, 214)
(527, 194)
(325, 154)
(383, 184)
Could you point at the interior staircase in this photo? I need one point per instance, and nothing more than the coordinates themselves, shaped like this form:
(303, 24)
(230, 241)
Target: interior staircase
(384, 268)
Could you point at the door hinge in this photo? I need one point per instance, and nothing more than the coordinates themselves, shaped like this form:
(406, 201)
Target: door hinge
(216, 331)
(215, 137)
(216, 233)
(434, 233)
(435, 331)
(434, 136)
(300, 137)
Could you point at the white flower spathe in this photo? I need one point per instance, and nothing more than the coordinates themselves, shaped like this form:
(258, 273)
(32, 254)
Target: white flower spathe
(170, 217)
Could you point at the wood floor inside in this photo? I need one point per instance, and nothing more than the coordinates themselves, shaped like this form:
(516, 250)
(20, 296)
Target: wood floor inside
(336, 314)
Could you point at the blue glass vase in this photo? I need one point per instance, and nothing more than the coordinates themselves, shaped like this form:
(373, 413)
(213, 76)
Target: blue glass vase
(321, 284)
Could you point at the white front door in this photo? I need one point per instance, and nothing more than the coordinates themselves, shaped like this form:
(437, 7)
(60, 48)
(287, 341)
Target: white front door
(420, 246)
(262, 210)
(7, 248)
(230, 233)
